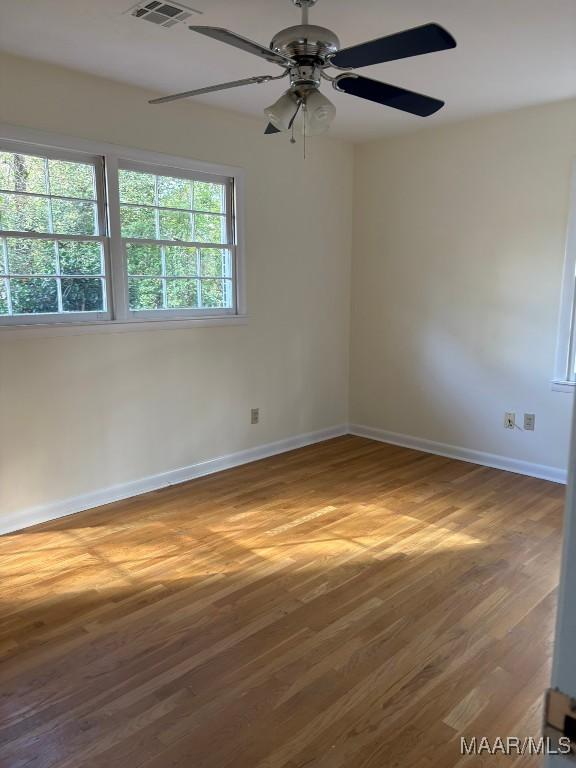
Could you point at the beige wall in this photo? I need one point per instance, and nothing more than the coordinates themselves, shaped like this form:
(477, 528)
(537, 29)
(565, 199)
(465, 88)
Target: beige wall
(459, 235)
(80, 413)
(458, 251)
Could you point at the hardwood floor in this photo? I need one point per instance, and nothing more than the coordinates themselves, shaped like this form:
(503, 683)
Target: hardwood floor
(346, 605)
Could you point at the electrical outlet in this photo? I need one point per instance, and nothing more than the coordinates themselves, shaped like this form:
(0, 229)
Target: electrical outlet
(509, 420)
(255, 416)
(529, 421)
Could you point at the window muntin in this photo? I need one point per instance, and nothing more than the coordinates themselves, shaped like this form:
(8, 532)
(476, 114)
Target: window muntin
(52, 243)
(178, 235)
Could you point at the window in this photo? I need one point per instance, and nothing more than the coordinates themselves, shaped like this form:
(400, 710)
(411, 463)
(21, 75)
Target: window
(114, 236)
(52, 225)
(177, 236)
(565, 370)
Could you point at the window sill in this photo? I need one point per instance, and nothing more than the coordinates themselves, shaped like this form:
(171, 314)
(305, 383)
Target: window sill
(44, 330)
(563, 386)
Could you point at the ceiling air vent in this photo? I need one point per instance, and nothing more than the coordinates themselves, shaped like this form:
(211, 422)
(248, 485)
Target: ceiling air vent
(162, 14)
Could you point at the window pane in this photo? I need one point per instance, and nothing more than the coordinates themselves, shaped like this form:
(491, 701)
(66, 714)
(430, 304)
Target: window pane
(33, 202)
(145, 293)
(182, 294)
(33, 295)
(31, 257)
(82, 294)
(213, 294)
(22, 173)
(71, 179)
(175, 210)
(209, 229)
(3, 298)
(138, 222)
(6, 171)
(215, 262)
(24, 214)
(144, 259)
(77, 258)
(175, 225)
(174, 193)
(70, 218)
(136, 187)
(181, 261)
(209, 197)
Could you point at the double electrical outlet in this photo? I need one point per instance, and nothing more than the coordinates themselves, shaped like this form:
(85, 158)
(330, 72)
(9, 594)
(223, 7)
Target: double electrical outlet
(529, 421)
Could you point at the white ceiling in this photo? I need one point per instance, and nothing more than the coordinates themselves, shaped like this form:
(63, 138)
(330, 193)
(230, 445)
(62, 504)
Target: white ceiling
(511, 53)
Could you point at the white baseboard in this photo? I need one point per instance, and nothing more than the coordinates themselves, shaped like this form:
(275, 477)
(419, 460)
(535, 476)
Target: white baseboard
(555, 474)
(54, 510)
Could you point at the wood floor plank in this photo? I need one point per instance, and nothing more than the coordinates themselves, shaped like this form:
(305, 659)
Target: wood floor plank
(348, 604)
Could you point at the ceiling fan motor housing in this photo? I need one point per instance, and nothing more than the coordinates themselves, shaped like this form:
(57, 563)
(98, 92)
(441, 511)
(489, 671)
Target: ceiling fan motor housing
(305, 78)
(306, 43)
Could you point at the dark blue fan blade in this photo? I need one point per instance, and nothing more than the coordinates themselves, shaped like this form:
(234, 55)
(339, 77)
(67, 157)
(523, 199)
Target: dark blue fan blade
(412, 42)
(388, 95)
(272, 129)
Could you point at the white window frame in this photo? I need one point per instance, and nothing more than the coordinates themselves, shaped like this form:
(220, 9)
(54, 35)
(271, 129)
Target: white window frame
(102, 236)
(564, 376)
(119, 317)
(161, 170)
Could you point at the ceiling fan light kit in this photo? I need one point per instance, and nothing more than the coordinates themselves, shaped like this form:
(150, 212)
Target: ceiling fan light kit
(282, 111)
(305, 51)
(319, 113)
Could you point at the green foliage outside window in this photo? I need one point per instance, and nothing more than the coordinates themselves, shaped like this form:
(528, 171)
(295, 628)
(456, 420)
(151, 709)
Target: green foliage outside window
(170, 208)
(59, 197)
(43, 195)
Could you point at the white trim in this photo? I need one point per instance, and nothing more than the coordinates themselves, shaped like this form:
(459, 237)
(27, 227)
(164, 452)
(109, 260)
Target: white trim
(137, 315)
(563, 386)
(41, 514)
(563, 671)
(72, 144)
(79, 328)
(53, 319)
(564, 361)
(555, 474)
(239, 263)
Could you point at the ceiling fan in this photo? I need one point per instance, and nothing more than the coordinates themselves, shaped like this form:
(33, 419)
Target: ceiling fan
(306, 51)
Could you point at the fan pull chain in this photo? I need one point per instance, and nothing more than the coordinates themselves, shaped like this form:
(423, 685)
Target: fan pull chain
(305, 115)
(294, 116)
(304, 108)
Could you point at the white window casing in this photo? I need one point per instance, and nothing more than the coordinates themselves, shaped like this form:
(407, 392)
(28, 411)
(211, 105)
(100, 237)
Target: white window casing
(565, 364)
